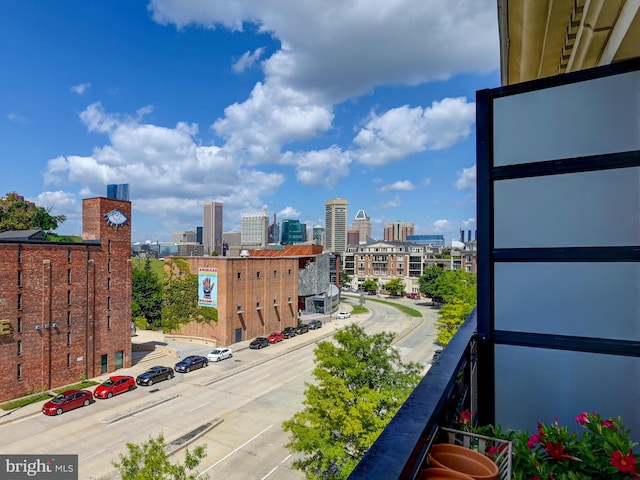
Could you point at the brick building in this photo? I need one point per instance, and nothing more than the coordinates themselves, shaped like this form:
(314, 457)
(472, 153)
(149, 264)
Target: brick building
(65, 308)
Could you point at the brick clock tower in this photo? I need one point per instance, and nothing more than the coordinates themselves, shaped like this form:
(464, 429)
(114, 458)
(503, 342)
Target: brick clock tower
(108, 221)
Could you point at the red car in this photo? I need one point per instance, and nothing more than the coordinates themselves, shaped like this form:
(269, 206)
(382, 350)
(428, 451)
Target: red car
(114, 385)
(275, 337)
(67, 401)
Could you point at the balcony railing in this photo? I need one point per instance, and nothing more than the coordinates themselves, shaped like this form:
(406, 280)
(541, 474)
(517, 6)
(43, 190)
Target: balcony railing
(448, 387)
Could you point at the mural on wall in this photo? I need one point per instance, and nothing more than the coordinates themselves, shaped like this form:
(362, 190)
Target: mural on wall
(208, 287)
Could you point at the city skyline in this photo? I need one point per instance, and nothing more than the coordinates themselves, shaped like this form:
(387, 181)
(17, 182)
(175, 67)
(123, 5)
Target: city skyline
(195, 101)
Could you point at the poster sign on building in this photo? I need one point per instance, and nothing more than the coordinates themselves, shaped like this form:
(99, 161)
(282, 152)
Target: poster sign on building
(208, 287)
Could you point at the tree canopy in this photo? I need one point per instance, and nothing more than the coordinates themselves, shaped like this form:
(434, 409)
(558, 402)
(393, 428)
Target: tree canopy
(149, 461)
(395, 286)
(146, 293)
(370, 285)
(360, 383)
(16, 213)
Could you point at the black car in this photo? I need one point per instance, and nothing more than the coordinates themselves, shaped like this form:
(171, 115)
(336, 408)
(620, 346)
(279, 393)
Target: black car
(259, 342)
(155, 374)
(302, 328)
(289, 332)
(191, 362)
(315, 324)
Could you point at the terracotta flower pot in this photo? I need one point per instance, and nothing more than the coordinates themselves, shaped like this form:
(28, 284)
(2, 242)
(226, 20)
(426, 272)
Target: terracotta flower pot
(434, 473)
(463, 460)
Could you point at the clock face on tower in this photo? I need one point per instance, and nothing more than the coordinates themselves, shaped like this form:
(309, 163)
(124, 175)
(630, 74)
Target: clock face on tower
(115, 218)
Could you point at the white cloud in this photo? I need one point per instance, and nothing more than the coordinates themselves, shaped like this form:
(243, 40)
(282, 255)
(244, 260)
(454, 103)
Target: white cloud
(402, 131)
(288, 212)
(12, 117)
(319, 167)
(426, 182)
(391, 203)
(404, 185)
(466, 178)
(442, 226)
(81, 88)
(247, 60)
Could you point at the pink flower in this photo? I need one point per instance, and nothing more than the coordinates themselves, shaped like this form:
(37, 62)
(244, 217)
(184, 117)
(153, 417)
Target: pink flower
(465, 417)
(533, 439)
(582, 418)
(555, 450)
(607, 423)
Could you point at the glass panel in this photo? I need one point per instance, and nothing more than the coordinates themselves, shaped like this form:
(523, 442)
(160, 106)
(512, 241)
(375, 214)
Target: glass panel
(572, 210)
(560, 122)
(535, 384)
(103, 363)
(119, 359)
(600, 300)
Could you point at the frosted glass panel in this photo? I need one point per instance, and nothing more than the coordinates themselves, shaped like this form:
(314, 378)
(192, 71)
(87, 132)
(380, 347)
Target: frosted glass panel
(588, 118)
(600, 300)
(535, 384)
(579, 209)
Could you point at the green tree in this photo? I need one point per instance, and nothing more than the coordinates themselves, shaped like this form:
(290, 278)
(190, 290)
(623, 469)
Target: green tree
(452, 316)
(455, 284)
(426, 281)
(345, 279)
(16, 213)
(370, 285)
(361, 382)
(180, 298)
(395, 286)
(149, 461)
(146, 295)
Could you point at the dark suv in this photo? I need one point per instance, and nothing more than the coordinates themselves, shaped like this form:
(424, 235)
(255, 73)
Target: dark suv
(314, 324)
(302, 328)
(289, 332)
(259, 342)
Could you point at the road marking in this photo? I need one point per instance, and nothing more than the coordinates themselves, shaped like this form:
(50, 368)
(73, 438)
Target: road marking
(93, 455)
(259, 379)
(235, 450)
(195, 408)
(277, 466)
(303, 360)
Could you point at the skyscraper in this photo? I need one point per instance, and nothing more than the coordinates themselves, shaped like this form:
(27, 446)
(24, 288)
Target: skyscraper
(274, 231)
(362, 223)
(293, 232)
(397, 231)
(255, 230)
(212, 228)
(118, 191)
(335, 222)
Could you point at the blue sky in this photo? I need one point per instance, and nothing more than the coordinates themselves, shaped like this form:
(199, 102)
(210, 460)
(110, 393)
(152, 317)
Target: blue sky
(254, 103)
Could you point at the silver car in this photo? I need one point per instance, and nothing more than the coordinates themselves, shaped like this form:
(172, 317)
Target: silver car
(220, 354)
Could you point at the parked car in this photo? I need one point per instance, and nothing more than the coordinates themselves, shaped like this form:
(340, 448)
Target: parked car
(114, 386)
(343, 315)
(275, 337)
(219, 354)
(192, 362)
(289, 332)
(259, 342)
(414, 296)
(302, 328)
(67, 401)
(154, 375)
(315, 324)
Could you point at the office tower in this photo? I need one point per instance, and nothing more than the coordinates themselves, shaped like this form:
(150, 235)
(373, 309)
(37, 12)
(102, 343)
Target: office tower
(199, 235)
(335, 222)
(184, 237)
(212, 228)
(118, 191)
(397, 231)
(353, 237)
(362, 223)
(255, 230)
(274, 231)
(318, 235)
(293, 232)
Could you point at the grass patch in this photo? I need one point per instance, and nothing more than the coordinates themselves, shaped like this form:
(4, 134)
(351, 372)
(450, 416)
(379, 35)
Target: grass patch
(39, 397)
(412, 312)
(357, 310)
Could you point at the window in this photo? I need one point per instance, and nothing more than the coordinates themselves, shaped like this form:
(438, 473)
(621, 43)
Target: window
(289, 271)
(19, 345)
(68, 275)
(19, 254)
(108, 322)
(68, 339)
(257, 274)
(109, 246)
(69, 255)
(19, 372)
(68, 360)
(19, 278)
(275, 273)
(108, 283)
(19, 301)
(108, 303)
(108, 265)
(239, 275)
(68, 297)
(68, 318)
(19, 324)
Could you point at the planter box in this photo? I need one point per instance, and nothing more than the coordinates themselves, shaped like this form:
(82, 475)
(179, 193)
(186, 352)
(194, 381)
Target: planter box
(480, 444)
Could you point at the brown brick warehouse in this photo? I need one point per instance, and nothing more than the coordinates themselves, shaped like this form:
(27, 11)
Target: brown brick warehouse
(65, 308)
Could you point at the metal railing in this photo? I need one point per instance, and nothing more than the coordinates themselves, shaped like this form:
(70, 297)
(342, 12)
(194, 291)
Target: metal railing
(448, 387)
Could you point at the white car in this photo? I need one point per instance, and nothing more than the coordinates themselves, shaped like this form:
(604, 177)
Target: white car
(343, 315)
(220, 354)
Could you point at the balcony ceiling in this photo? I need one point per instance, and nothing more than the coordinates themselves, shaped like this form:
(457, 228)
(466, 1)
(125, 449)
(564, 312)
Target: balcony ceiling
(542, 38)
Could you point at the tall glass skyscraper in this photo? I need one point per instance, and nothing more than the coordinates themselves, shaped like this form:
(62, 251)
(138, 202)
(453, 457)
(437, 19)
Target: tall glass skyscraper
(118, 191)
(293, 232)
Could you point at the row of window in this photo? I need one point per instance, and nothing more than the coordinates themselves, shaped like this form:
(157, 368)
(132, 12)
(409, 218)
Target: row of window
(258, 274)
(68, 300)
